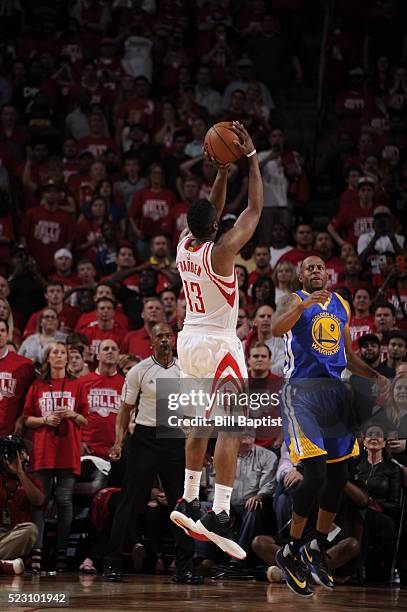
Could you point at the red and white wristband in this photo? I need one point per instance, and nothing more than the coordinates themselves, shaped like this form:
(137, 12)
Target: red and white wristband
(251, 153)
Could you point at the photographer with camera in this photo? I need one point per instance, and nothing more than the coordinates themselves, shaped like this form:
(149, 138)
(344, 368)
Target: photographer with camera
(18, 493)
(16, 376)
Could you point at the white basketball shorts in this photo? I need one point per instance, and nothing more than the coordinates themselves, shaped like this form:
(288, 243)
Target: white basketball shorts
(214, 363)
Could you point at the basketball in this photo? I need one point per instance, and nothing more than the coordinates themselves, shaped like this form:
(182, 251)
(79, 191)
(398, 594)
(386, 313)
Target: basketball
(219, 143)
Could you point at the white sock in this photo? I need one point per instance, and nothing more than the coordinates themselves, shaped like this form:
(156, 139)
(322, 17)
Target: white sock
(191, 485)
(314, 545)
(221, 500)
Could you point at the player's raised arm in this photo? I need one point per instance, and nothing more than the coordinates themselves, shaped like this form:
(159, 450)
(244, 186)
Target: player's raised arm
(244, 228)
(217, 196)
(290, 309)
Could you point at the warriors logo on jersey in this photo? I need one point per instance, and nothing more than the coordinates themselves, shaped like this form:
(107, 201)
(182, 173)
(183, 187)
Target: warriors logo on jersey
(326, 333)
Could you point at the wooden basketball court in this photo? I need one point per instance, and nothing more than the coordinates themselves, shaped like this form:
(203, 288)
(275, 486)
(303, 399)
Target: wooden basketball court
(157, 593)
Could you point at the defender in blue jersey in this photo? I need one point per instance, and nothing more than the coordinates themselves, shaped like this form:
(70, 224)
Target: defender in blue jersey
(315, 412)
(315, 326)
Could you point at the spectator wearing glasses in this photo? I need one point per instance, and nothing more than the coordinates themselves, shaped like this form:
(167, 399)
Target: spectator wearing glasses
(381, 478)
(35, 346)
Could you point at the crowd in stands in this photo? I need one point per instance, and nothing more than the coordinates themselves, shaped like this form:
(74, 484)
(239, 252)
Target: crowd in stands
(104, 105)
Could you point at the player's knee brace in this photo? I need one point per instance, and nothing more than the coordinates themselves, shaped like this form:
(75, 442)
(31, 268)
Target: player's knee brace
(307, 492)
(337, 475)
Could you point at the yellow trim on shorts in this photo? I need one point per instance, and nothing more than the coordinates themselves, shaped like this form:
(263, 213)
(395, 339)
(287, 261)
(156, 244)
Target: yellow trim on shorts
(355, 453)
(309, 449)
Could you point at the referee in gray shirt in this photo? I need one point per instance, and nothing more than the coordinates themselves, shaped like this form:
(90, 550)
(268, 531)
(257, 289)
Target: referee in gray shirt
(148, 456)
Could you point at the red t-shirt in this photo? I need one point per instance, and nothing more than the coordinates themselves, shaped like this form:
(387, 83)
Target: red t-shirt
(334, 268)
(16, 376)
(350, 197)
(138, 343)
(357, 102)
(353, 221)
(69, 282)
(179, 221)
(103, 395)
(132, 282)
(6, 231)
(46, 232)
(56, 448)
(81, 189)
(88, 319)
(144, 111)
(152, 211)
(359, 327)
(109, 70)
(68, 318)
(95, 335)
(392, 297)
(352, 288)
(97, 145)
(85, 231)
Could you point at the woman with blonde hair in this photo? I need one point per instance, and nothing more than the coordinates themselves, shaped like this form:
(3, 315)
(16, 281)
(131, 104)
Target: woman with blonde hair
(6, 315)
(56, 409)
(396, 417)
(284, 278)
(126, 362)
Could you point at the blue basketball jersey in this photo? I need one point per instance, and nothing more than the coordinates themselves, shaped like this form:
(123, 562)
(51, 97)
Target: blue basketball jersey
(314, 347)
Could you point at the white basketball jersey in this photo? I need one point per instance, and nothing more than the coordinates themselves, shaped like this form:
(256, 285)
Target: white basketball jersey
(211, 300)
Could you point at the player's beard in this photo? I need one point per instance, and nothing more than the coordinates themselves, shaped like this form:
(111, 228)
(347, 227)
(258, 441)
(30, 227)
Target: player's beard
(312, 285)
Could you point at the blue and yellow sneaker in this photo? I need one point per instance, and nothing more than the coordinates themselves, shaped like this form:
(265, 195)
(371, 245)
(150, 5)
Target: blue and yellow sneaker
(315, 560)
(295, 573)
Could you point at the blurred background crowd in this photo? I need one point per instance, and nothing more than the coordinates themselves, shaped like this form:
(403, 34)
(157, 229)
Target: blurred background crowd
(104, 105)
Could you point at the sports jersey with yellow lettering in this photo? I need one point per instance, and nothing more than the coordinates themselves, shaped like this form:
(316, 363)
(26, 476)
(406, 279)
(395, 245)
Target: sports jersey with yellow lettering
(314, 347)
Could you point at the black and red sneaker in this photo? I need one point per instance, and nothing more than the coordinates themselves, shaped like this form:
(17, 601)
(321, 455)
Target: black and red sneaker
(185, 515)
(217, 528)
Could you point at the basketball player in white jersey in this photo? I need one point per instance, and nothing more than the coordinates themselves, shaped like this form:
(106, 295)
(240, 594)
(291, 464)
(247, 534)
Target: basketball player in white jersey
(208, 347)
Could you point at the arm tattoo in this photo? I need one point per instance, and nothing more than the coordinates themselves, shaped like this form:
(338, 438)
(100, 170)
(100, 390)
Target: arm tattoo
(286, 302)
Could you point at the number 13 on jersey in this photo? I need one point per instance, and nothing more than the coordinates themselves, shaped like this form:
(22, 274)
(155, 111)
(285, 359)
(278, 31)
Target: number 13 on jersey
(194, 297)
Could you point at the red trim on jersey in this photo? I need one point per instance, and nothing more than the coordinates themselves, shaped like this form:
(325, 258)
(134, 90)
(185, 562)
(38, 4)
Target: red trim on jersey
(229, 285)
(229, 297)
(228, 361)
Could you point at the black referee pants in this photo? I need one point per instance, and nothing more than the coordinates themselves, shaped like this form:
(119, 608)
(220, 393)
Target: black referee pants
(147, 457)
